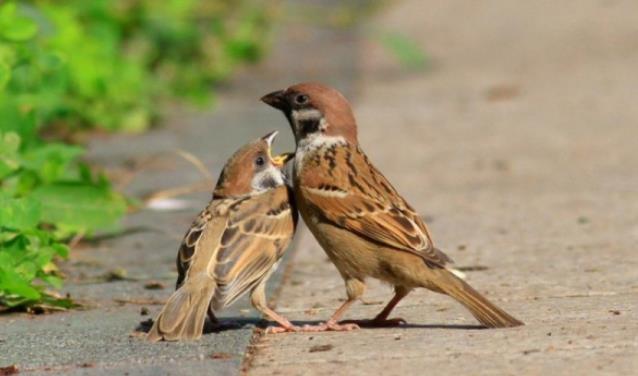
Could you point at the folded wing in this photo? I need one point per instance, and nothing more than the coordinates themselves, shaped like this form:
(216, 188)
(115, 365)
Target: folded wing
(362, 200)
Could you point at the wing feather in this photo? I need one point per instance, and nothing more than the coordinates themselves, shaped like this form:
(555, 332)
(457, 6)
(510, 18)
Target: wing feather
(260, 230)
(359, 198)
(202, 239)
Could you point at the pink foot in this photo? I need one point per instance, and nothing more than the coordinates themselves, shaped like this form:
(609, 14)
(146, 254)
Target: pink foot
(282, 329)
(330, 326)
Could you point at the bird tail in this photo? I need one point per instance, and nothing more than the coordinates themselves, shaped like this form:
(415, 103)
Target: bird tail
(184, 314)
(482, 309)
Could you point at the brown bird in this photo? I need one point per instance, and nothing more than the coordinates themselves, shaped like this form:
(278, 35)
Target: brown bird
(234, 244)
(363, 224)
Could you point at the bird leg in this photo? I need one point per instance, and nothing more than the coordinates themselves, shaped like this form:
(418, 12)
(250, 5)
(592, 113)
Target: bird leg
(382, 318)
(258, 299)
(285, 325)
(354, 289)
(332, 324)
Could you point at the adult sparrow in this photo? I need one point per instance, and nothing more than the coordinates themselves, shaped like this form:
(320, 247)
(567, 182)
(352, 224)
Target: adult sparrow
(363, 224)
(234, 244)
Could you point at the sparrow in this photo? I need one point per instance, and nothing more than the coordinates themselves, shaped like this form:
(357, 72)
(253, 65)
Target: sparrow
(234, 244)
(363, 224)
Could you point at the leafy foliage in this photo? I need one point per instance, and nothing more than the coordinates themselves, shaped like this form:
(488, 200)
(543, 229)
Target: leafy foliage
(45, 197)
(69, 65)
(122, 57)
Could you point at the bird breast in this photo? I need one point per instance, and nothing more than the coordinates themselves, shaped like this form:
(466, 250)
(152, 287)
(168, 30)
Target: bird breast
(313, 145)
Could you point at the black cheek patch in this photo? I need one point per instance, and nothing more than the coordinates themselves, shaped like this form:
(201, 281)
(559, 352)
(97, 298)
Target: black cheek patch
(309, 126)
(268, 183)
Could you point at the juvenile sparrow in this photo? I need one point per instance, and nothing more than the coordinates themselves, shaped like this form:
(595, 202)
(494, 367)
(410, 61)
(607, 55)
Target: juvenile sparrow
(363, 224)
(234, 244)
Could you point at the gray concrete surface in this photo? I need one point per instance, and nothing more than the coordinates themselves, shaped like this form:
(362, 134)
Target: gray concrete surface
(99, 340)
(519, 147)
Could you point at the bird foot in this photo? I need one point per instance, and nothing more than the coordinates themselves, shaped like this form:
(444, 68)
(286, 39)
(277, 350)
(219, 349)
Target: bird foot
(330, 326)
(282, 329)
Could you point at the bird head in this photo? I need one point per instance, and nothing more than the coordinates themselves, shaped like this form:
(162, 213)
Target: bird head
(252, 169)
(314, 110)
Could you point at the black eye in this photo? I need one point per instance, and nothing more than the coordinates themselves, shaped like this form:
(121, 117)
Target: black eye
(301, 99)
(260, 161)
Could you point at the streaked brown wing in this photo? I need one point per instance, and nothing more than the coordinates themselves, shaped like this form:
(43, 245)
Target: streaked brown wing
(197, 249)
(258, 232)
(358, 197)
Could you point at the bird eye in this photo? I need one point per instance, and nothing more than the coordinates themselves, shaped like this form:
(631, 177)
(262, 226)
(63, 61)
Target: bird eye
(260, 161)
(301, 99)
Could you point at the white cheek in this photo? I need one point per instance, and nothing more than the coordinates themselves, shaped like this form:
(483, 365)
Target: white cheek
(306, 114)
(270, 173)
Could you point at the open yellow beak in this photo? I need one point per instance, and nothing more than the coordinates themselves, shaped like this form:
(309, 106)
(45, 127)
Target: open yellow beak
(281, 159)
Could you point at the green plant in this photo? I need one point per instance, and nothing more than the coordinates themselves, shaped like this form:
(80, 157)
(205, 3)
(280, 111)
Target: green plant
(45, 194)
(70, 65)
(46, 197)
(124, 58)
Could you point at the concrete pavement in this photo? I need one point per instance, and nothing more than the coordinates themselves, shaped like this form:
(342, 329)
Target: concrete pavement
(518, 146)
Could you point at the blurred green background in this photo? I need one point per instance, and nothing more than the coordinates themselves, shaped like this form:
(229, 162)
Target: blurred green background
(71, 68)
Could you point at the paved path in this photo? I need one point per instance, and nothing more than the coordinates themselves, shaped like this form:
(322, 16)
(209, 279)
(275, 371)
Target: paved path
(519, 147)
(98, 340)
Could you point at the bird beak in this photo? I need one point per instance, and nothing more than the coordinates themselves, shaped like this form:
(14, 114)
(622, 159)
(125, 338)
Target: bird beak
(279, 160)
(282, 159)
(276, 99)
(269, 138)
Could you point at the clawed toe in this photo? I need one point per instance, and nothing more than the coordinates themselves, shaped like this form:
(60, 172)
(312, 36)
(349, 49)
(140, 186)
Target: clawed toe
(344, 327)
(281, 329)
(330, 327)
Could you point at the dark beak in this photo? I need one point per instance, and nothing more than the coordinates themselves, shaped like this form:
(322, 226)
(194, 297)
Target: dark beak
(276, 99)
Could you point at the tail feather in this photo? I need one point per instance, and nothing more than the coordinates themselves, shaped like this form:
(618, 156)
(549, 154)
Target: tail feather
(184, 314)
(482, 309)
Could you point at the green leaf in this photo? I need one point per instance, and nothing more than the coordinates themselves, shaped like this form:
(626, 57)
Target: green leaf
(12, 283)
(21, 29)
(79, 207)
(60, 249)
(19, 213)
(50, 161)
(9, 159)
(15, 119)
(52, 280)
(10, 142)
(14, 27)
(5, 74)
